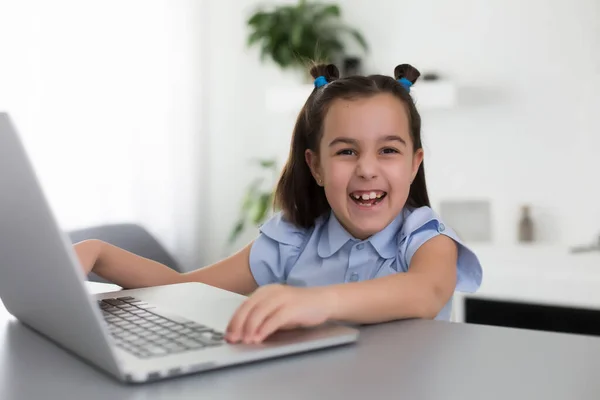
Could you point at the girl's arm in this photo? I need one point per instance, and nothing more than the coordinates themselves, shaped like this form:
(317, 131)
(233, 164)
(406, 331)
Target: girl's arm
(419, 293)
(131, 271)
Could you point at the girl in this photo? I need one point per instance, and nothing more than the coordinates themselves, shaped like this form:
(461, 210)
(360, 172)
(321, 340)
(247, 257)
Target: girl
(356, 239)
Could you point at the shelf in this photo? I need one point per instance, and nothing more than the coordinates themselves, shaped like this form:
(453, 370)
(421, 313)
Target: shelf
(428, 95)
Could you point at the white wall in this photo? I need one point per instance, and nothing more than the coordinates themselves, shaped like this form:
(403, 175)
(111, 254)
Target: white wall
(139, 74)
(526, 128)
(524, 131)
(239, 129)
(107, 96)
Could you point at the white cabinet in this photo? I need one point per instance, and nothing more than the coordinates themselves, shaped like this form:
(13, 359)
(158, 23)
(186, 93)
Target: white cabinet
(536, 274)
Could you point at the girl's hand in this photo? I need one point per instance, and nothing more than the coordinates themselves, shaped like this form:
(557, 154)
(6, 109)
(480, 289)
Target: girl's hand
(274, 307)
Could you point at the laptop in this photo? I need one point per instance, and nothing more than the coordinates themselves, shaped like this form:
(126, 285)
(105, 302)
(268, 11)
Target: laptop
(134, 335)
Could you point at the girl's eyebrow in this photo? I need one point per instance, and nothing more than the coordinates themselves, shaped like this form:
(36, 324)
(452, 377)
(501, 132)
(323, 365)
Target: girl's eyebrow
(343, 140)
(354, 142)
(391, 138)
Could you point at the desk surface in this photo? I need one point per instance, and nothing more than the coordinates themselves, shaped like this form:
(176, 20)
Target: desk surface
(407, 359)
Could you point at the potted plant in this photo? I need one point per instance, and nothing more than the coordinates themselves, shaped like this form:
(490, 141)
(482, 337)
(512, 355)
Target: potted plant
(293, 35)
(258, 200)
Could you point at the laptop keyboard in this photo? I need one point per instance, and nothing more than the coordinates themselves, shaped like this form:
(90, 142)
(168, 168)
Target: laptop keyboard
(146, 331)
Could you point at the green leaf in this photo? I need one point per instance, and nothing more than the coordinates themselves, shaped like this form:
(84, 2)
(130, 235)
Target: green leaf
(259, 18)
(267, 163)
(296, 39)
(237, 231)
(251, 194)
(327, 12)
(261, 208)
(255, 37)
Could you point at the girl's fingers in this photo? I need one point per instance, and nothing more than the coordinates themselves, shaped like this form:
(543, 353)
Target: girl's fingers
(234, 329)
(273, 322)
(235, 326)
(256, 317)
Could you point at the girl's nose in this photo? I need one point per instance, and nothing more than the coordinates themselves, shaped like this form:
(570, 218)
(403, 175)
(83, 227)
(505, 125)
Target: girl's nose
(366, 168)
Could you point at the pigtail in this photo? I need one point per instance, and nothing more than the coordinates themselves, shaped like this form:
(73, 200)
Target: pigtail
(407, 72)
(407, 75)
(329, 71)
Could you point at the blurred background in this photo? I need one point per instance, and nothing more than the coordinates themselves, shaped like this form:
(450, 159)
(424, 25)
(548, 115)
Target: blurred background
(176, 116)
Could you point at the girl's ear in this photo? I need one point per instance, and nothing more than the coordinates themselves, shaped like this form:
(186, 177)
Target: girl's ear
(312, 159)
(417, 160)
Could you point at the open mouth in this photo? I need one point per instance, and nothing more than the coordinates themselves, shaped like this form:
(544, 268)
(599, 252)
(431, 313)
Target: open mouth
(368, 198)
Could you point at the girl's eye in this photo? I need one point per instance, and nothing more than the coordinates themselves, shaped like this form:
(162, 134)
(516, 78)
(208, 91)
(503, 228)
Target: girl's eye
(346, 152)
(389, 150)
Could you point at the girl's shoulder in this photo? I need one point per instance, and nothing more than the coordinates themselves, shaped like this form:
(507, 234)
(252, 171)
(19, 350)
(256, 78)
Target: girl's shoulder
(279, 229)
(423, 219)
(420, 225)
(276, 249)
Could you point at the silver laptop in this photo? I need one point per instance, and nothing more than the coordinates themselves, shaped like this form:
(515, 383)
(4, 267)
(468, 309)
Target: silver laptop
(135, 335)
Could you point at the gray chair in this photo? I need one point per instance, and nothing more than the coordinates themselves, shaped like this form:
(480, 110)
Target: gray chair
(130, 237)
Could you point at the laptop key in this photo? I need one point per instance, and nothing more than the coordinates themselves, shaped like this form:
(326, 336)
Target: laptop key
(199, 328)
(125, 298)
(156, 328)
(172, 335)
(190, 344)
(208, 339)
(193, 325)
(173, 347)
(139, 342)
(114, 302)
(178, 328)
(144, 313)
(155, 350)
(144, 306)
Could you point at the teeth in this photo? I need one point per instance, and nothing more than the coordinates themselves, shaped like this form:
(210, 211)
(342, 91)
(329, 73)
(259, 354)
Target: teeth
(367, 196)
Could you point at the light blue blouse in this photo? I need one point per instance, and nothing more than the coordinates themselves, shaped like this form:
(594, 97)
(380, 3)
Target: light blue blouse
(327, 254)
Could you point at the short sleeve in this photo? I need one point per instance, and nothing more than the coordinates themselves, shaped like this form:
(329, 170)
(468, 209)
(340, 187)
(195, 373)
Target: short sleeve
(275, 250)
(423, 224)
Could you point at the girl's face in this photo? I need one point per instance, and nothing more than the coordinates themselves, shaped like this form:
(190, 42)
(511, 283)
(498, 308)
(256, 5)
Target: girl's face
(365, 162)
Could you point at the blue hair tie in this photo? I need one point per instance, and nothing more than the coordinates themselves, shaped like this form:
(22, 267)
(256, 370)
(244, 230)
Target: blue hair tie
(406, 83)
(320, 81)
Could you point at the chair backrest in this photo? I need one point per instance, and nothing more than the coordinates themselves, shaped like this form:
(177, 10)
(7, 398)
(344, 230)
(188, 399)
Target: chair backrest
(130, 237)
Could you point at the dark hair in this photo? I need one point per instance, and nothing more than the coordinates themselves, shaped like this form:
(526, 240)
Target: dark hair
(297, 194)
